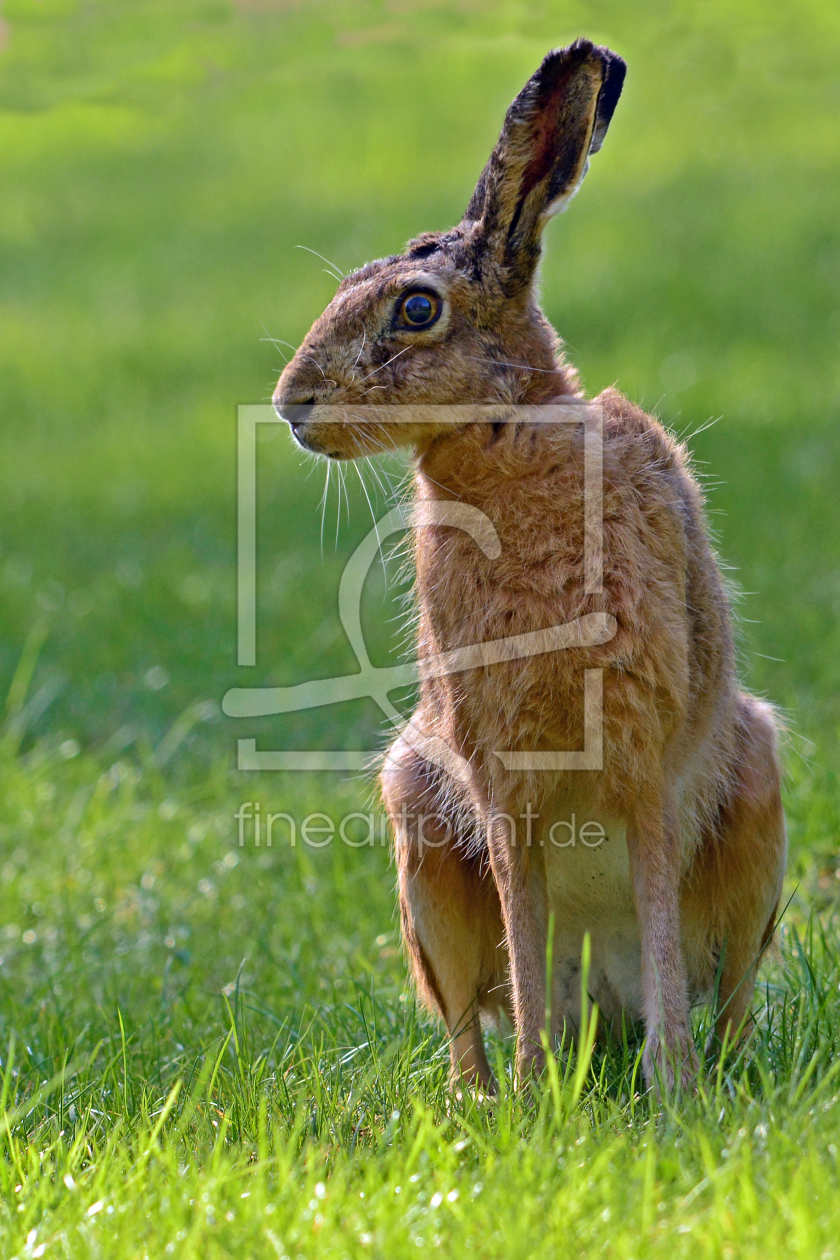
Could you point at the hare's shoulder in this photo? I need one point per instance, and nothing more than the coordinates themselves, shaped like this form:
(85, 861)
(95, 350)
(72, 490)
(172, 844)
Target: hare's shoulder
(639, 450)
(636, 437)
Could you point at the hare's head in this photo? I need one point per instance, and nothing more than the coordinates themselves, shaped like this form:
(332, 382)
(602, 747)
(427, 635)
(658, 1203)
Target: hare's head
(454, 320)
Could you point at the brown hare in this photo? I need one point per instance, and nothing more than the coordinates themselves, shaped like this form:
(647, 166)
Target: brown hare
(677, 872)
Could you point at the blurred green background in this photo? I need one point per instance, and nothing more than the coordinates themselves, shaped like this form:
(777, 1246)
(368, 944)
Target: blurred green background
(158, 166)
(160, 163)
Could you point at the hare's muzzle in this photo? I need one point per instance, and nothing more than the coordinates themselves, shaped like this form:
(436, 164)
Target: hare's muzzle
(295, 413)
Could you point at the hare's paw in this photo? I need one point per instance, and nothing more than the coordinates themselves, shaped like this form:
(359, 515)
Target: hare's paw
(530, 1064)
(481, 1094)
(670, 1064)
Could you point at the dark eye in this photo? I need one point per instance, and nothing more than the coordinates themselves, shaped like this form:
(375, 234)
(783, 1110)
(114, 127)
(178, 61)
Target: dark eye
(419, 310)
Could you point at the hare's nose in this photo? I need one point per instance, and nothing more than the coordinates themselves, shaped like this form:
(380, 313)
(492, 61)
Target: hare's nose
(296, 413)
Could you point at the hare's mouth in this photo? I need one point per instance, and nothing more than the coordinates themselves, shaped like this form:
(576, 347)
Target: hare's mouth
(317, 434)
(299, 417)
(307, 438)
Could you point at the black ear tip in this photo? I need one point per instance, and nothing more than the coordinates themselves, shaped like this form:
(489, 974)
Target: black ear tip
(615, 69)
(581, 48)
(561, 59)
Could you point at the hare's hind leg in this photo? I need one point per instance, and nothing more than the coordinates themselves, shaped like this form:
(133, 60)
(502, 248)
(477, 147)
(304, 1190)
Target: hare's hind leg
(654, 849)
(733, 897)
(451, 920)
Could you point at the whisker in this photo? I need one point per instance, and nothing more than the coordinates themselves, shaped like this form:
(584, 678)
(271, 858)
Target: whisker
(524, 367)
(361, 348)
(339, 485)
(367, 421)
(344, 467)
(278, 341)
(707, 424)
(275, 343)
(375, 474)
(327, 379)
(386, 450)
(317, 364)
(384, 365)
(438, 484)
(375, 523)
(334, 266)
(324, 497)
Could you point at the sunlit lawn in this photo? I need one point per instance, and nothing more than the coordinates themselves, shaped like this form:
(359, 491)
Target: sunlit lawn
(211, 1049)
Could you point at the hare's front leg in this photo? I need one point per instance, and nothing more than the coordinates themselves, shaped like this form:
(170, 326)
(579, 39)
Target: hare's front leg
(653, 843)
(451, 921)
(519, 872)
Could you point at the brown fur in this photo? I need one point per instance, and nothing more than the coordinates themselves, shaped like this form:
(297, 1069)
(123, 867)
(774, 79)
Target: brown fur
(690, 875)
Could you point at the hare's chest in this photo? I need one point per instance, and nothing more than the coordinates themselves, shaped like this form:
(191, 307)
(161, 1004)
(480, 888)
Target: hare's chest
(589, 891)
(489, 615)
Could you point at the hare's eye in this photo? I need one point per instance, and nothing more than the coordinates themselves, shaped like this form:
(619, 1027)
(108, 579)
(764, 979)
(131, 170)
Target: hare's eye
(419, 310)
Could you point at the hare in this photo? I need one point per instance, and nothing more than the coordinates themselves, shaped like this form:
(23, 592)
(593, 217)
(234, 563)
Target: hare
(677, 851)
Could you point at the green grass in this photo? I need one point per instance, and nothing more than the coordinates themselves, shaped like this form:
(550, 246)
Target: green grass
(184, 1021)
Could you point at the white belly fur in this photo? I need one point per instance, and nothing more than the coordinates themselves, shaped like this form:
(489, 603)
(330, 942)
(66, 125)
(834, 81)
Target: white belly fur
(589, 890)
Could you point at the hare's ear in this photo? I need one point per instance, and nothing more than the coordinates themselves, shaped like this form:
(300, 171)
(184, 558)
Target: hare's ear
(556, 121)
